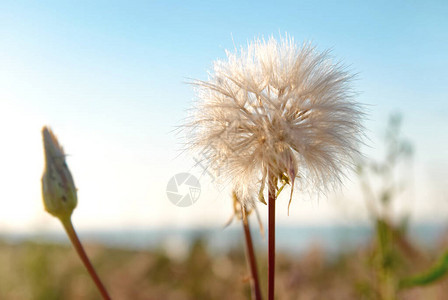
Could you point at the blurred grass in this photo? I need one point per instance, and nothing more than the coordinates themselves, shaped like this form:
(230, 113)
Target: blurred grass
(30, 270)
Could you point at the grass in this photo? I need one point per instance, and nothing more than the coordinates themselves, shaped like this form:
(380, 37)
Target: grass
(31, 270)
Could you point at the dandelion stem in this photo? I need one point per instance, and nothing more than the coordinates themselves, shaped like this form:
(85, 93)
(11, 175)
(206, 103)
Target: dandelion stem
(256, 292)
(68, 226)
(271, 237)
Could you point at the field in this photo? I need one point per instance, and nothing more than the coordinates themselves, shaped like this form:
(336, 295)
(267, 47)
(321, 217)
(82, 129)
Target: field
(30, 270)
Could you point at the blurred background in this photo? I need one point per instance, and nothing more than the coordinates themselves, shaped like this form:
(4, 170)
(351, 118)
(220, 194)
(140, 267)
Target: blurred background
(110, 78)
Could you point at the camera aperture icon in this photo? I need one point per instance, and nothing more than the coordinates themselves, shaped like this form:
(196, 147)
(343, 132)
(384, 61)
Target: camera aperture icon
(183, 189)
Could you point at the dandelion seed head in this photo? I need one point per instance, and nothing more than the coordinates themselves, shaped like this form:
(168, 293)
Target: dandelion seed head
(280, 109)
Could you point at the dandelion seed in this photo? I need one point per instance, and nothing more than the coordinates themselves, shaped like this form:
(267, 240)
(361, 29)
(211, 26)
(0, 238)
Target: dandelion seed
(280, 109)
(277, 114)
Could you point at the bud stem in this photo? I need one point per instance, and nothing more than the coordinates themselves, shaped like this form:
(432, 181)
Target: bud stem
(68, 226)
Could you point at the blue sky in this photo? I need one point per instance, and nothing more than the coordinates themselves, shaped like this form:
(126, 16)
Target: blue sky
(109, 78)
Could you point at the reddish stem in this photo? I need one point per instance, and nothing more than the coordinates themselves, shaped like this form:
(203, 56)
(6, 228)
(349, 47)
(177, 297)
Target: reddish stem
(256, 292)
(68, 226)
(271, 237)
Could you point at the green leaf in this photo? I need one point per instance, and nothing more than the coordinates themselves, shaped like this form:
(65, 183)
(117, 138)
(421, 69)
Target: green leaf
(438, 271)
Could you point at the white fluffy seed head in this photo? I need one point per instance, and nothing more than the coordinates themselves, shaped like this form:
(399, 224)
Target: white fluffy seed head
(280, 109)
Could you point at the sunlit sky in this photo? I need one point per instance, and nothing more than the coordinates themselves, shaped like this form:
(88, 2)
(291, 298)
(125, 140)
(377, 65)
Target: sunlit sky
(109, 78)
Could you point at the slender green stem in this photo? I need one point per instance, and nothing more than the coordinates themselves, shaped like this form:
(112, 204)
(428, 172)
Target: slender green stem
(68, 226)
(256, 292)
(386, 272)
(436, 272)
(271, 237)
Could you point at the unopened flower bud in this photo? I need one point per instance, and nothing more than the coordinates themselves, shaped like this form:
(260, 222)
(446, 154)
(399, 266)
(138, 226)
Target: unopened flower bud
(58, 187)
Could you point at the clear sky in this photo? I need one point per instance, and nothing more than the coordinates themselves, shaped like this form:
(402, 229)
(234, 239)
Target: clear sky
(109, 78)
